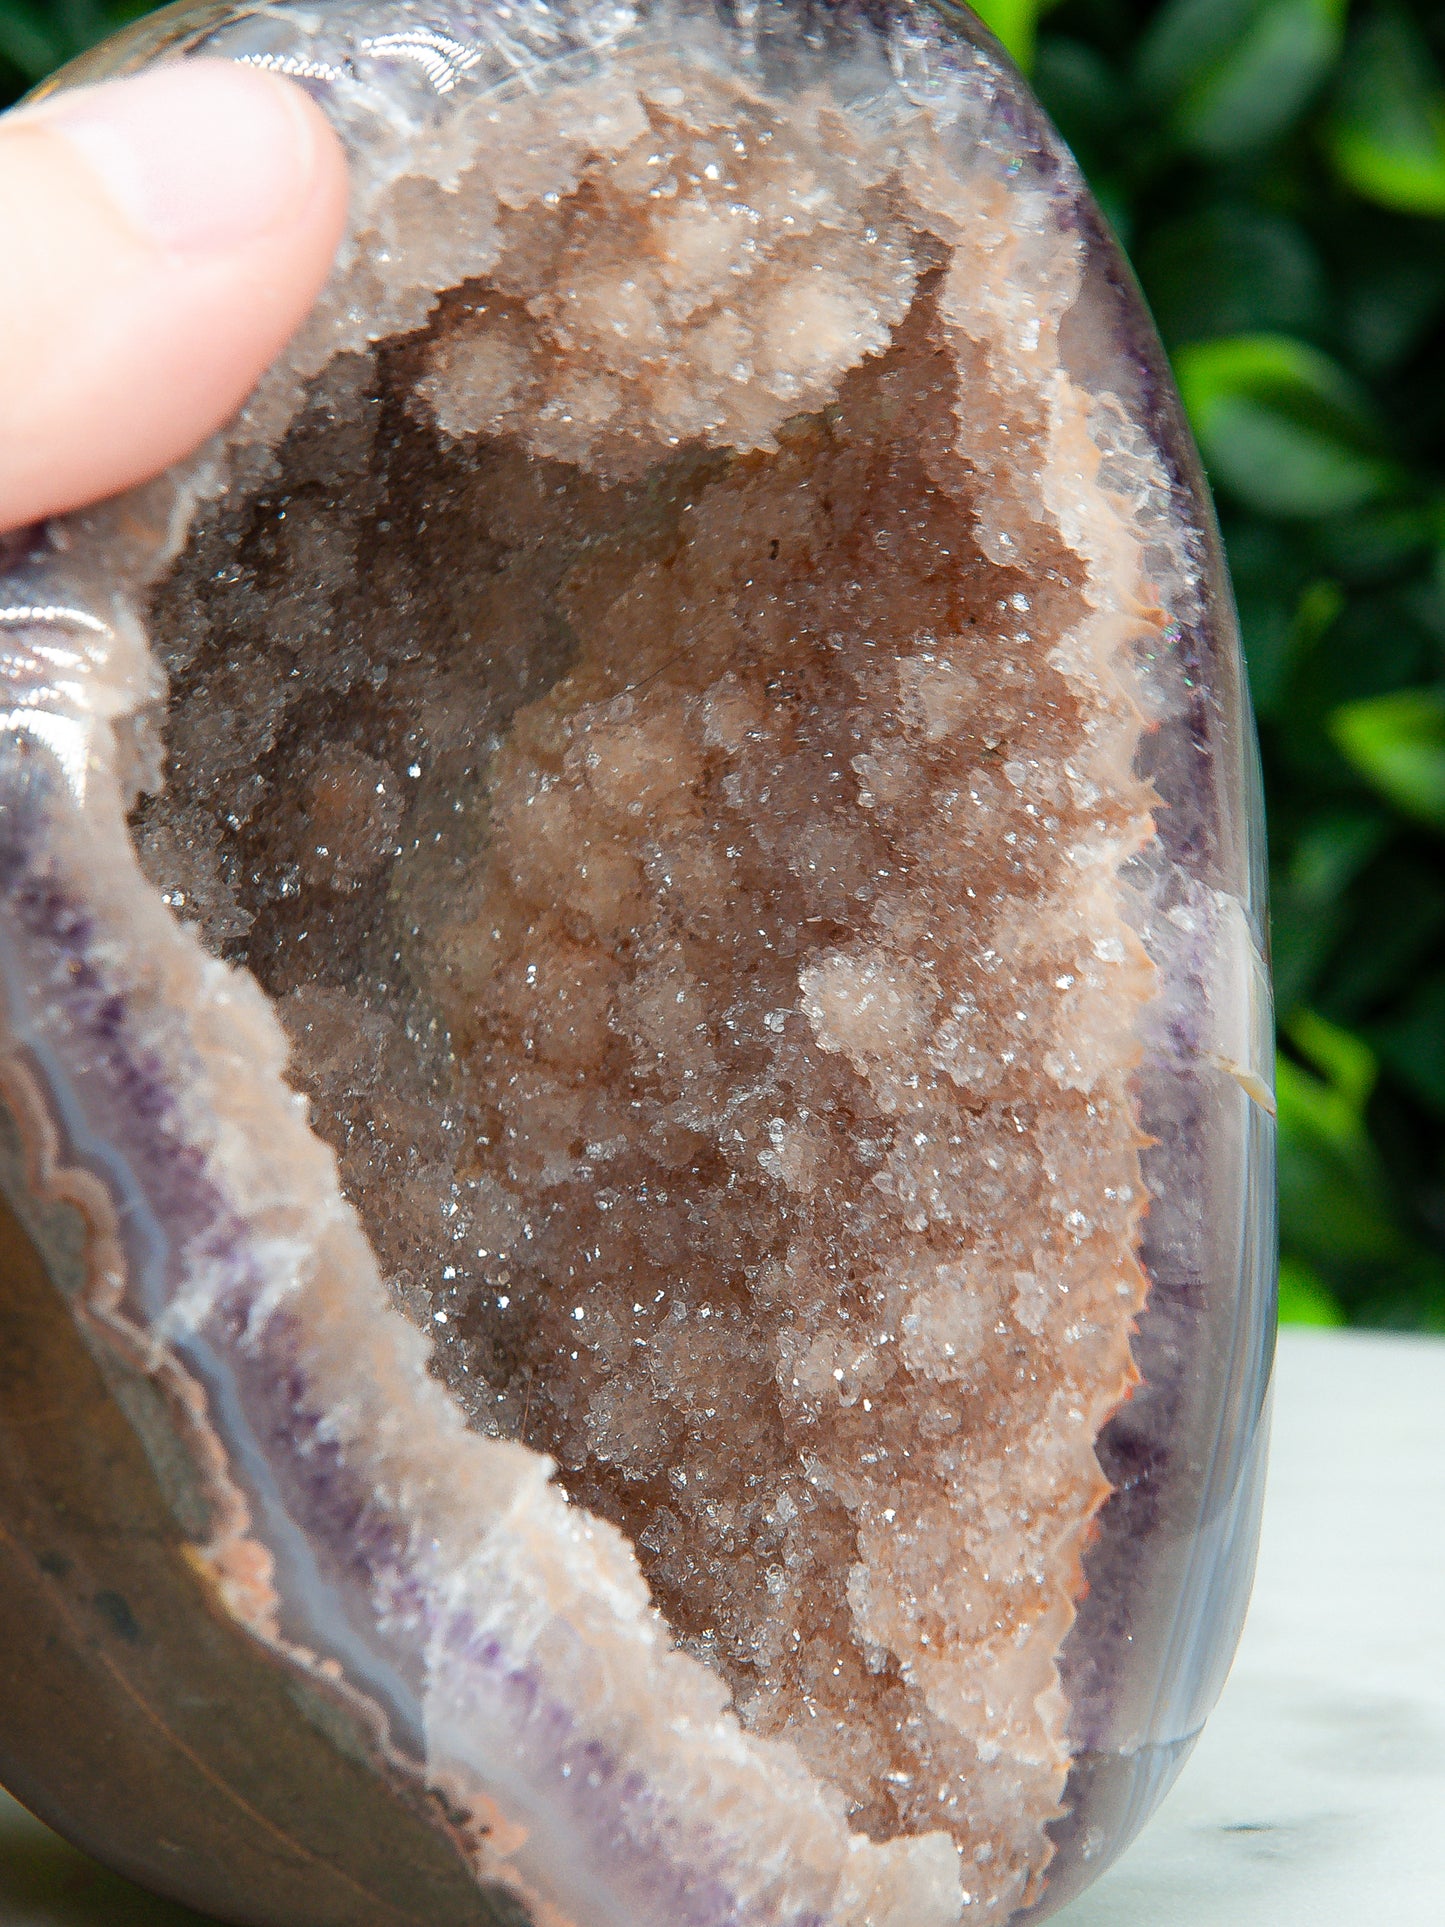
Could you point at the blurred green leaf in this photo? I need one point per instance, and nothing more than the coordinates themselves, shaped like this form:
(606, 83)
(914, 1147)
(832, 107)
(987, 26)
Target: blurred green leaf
(1315, 614)
(1305, 1298)
(1394, 295)
(1016, 24)
(1342, 1225)
(1310, 910)
(1333, 851)
(1079, 87)
(1238, 72)
(1394, 927)
(1269, 576)
(1283, 427)
(37, 36)
(28, 40)
(1335, 1202)
(1376, 541)
(1425, 598)
(1413, 1044)
(1348, 1066)
(1233, 269)
(1397, 743)
(1387, 135)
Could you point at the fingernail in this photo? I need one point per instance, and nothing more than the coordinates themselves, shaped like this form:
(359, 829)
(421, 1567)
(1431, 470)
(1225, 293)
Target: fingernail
(199, 157)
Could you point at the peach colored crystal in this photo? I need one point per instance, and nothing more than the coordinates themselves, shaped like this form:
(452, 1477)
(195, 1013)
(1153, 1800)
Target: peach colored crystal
(664, 737)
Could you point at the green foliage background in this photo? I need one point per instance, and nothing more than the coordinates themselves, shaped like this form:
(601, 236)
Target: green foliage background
(1276, 169)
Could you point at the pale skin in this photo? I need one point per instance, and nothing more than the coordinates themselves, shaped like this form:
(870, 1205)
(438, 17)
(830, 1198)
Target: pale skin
(161, 238)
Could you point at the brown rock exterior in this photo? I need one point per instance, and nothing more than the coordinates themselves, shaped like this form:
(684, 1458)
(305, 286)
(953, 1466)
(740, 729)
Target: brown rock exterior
(110, 1634)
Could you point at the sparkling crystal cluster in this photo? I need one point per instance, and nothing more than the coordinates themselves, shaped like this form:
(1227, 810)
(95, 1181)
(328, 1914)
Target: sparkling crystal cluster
(692, 722)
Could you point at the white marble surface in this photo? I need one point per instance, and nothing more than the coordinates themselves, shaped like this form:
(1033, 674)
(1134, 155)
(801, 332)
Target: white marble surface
(1316, 1797)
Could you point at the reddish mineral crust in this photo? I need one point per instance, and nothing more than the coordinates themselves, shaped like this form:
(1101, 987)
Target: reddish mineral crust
(651, 689)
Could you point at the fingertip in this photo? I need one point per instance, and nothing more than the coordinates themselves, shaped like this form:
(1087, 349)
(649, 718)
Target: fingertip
(202, 157)
(167, 234)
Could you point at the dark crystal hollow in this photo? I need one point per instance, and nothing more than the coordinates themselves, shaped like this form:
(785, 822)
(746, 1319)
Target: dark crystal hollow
(637, 1131)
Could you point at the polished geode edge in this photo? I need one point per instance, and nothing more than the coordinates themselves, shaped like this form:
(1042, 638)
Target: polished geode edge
(1209, 720)
(464, 1547)
(130, 1691)
(1171, 1569)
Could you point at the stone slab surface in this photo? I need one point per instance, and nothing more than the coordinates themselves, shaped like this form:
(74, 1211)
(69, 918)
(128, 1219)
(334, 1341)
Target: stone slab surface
(1315, 1796)
(1317, 1792)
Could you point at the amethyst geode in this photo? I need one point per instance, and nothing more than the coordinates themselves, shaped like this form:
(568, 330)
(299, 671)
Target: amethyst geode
(637, 1131)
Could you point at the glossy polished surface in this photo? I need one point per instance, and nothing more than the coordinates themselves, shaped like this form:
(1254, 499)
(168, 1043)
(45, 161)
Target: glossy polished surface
(740, 700)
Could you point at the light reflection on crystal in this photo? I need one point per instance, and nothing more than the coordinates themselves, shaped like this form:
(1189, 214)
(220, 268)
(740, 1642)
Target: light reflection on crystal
(673, 727)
